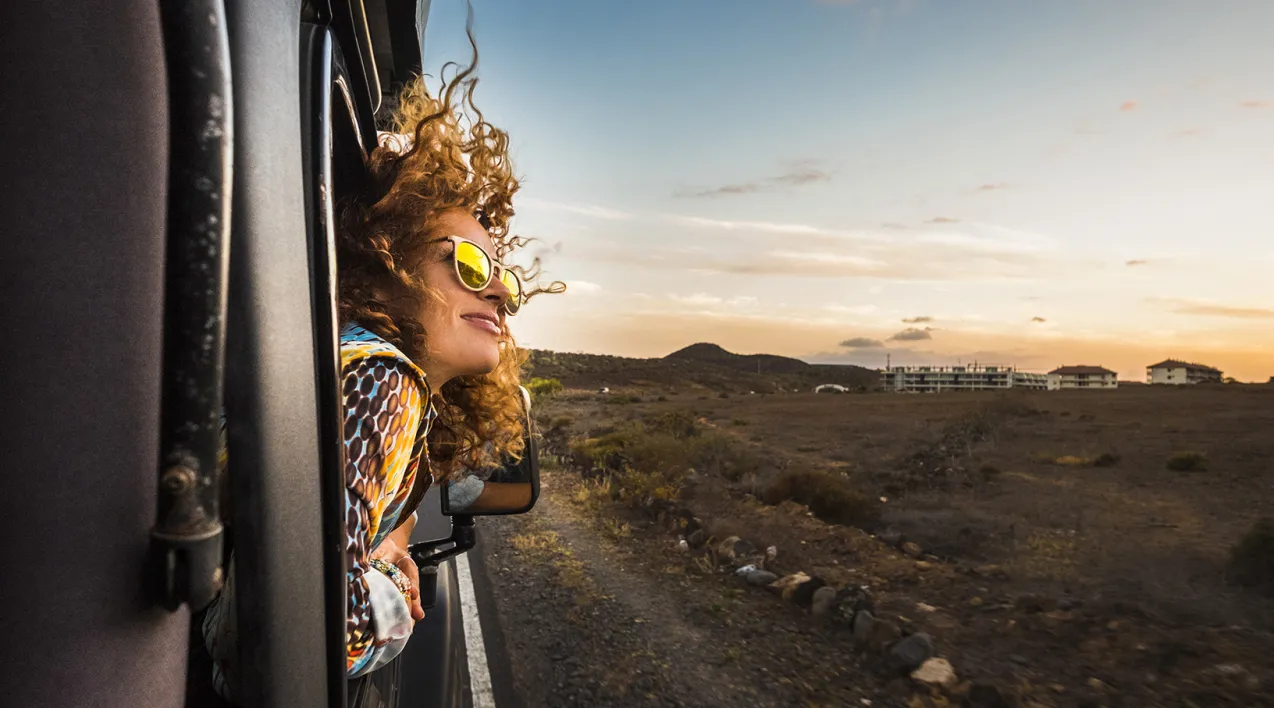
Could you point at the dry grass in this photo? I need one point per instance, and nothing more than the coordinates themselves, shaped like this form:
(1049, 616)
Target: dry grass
(1188, 461)
(830, 496)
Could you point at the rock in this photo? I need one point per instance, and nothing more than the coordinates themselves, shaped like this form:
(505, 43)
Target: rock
(771, 553)
(743, 549)
(1032, 604)
(803, 595)
(883, 634)
(891, 537)
(925, 607)
(824, 601)
(991, 571)
(936, 672)
(924, 565)
(862, 626)
(912, 549)
(849, 601)
(910, 652)
(683, 546)
(760, 578)
(787, 584)
(697, 538)
(725, 549)
(985, 695)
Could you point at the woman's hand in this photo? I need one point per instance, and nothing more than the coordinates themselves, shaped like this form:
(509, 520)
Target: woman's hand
(391, 551)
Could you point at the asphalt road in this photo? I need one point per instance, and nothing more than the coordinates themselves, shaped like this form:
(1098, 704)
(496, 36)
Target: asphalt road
(479, 605)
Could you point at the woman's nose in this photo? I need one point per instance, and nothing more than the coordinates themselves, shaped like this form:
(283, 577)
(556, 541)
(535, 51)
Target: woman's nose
(497, 292)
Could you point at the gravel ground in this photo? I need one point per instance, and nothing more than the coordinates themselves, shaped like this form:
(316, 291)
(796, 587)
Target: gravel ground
(595, 622)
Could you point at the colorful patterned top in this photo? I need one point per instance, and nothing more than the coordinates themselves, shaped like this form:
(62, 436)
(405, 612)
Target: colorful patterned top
(387, 417)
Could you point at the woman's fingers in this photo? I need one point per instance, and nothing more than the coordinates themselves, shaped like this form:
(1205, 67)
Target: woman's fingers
(408, 566)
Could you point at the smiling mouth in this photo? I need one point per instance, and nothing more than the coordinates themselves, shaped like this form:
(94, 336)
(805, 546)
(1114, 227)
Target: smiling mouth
(484, 323)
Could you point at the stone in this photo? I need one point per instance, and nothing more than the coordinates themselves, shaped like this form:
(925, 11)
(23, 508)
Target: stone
(743, 549)
(907, 654)
(697, 538)
(1032, 604)
(787, 584)
(862, 626)
(936, 672)
(985, 695)
(925, 607)
(891, 537)
(803, 594)
(924, 565)
(771, 553)
(824, 601)
(912, 549)
(883, 634)
(725, 549)
(760, 578)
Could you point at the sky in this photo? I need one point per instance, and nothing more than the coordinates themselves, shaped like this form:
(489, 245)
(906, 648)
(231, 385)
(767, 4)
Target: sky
(1035, 184)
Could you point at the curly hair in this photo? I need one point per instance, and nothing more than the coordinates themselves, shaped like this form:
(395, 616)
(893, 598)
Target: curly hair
(453, 160)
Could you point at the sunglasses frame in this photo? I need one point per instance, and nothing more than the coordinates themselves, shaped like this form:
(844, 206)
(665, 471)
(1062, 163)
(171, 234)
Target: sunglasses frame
(497, 269)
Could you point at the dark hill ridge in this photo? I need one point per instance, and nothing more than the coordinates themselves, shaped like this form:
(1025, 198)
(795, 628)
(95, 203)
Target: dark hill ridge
(762, 363)
(697, 366)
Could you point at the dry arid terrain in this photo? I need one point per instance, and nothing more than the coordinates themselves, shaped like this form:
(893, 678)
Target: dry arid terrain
(1071, 548)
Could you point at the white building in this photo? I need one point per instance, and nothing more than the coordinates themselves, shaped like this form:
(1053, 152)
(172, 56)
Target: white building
(1176, 372)
(1082, 377)
(935, 379)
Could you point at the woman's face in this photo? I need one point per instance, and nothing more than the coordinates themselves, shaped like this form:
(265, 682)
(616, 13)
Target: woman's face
(464, 330)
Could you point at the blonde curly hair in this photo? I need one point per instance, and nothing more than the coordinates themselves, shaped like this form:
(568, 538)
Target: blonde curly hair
(453, 160)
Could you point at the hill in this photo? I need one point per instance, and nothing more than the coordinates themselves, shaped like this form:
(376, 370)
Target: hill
(700, 365)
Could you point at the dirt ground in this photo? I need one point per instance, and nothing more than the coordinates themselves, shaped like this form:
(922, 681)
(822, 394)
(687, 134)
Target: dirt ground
(1061, 561)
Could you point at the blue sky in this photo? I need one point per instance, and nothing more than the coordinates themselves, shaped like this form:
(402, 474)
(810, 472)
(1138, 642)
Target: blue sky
(800, 176)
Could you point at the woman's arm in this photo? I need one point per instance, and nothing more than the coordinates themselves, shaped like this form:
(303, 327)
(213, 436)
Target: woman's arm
(383, 408)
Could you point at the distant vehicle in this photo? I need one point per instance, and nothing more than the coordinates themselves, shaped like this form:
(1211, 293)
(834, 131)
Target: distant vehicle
(830, 388)
(603, 389)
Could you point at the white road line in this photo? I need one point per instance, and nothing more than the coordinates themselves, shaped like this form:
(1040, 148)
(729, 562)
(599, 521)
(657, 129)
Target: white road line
(479, 674)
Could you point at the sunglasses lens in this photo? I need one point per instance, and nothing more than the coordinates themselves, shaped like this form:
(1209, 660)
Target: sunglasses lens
(473, 265)
(514, 285)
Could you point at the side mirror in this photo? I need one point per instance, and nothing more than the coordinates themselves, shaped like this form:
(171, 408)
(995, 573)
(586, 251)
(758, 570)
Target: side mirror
(511, 488)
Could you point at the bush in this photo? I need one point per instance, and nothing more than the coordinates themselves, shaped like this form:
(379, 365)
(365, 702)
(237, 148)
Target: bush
(1252, 560)
(830, 496)
(1188, 462)
(1106, 459)
(543, 388)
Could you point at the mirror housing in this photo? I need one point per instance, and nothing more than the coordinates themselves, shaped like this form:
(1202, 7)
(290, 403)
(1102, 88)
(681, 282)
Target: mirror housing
(511, 488)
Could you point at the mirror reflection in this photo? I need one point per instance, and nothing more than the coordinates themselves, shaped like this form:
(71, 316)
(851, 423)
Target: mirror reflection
(510, 488)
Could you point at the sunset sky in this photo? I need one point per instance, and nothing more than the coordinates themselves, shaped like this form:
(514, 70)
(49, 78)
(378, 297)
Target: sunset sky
(1028, 183)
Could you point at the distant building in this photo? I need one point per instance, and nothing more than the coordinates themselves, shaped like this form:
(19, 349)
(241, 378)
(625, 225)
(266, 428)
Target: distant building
(1066, 377)
(1175, 372)
(935, 379)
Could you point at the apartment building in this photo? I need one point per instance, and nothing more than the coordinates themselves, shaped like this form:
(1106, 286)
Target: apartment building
(1085, 377)
(1178, 373)
(975, 377)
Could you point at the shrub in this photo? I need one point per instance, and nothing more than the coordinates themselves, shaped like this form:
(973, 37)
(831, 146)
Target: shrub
(1252, 560)
(543, 388)
(738, 422)
(1188, 462)
(830, 496)
(1106, 459)
(679, 424)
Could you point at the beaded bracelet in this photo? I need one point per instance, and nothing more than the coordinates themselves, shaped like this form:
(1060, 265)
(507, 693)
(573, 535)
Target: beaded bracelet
(395, 574)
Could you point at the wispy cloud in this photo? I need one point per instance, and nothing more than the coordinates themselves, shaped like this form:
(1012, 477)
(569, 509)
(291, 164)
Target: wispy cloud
(862, 343)
(581, 286)
(1137, 262)
(597, 212)
(1189, 133)
(797, 174)
(942, 220)
(912, 334)
(922, 319)
(993, 186)
(1038, 320)
(1129, 106)
(1256, 104)
(1210, 309)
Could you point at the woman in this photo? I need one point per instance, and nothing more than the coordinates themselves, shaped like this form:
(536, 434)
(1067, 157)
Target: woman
(429, 368)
